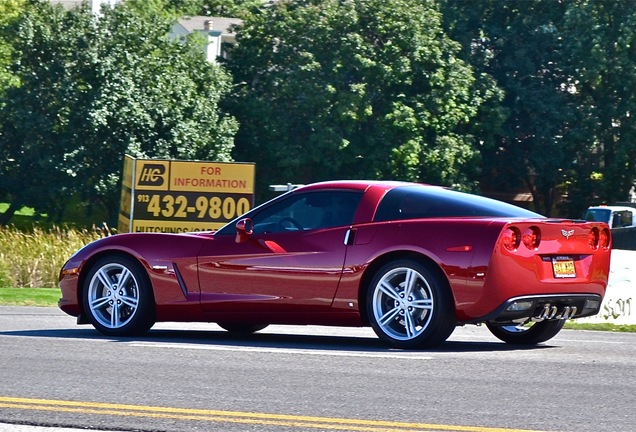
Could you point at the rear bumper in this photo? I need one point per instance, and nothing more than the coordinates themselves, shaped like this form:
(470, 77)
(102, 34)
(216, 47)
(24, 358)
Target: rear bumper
(543, 307)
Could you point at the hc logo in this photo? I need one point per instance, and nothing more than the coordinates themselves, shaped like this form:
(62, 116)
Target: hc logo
(152, 175)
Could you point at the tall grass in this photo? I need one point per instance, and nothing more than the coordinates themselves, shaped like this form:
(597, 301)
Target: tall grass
(33, 258)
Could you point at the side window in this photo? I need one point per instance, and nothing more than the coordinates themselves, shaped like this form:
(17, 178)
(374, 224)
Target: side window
(624, 219)
(312, 210)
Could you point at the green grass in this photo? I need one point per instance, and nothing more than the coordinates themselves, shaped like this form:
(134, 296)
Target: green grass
(24, 211)
(623, 328)
(47, 297)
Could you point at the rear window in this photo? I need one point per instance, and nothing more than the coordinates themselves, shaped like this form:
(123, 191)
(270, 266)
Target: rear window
(414, 202)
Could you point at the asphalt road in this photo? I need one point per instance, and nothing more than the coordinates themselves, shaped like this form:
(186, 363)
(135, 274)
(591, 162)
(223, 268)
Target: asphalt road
(198, 378)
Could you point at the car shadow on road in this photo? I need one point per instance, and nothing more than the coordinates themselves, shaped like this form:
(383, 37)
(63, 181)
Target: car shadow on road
(273, 341)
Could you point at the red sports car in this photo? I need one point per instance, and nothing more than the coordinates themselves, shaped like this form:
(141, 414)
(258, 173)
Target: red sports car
(412, 261)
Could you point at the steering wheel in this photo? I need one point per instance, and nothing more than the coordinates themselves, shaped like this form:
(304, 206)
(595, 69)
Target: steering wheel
(286, 221)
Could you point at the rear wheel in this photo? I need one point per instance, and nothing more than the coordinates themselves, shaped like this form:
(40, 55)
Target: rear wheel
(528, 334)
(118, 298)
(410, 306)
(241, 328)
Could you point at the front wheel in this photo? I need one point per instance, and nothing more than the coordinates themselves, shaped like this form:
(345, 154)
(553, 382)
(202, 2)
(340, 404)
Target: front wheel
(528, 334)
(409, 306)
(118, 298)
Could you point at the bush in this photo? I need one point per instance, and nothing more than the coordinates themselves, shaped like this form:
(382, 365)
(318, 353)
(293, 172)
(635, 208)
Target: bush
(34, 258)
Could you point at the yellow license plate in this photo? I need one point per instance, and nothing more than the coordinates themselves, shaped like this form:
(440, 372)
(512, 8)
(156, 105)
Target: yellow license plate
(563, 267)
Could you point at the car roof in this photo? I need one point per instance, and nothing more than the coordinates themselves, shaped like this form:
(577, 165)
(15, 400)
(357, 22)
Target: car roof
(614, 208)
(358, 184)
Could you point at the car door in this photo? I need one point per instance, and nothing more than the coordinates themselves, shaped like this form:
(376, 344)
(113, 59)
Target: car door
(291, 262)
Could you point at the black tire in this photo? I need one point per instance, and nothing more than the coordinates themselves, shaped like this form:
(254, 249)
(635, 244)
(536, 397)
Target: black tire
(240, 328)
(527, 334)
(117, 297)
(421, 315)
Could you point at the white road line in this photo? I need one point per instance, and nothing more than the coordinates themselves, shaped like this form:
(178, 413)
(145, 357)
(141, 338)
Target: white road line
(586, 341)
(396, 355)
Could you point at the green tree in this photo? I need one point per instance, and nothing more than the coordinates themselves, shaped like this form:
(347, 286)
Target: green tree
(229, 8)
(112, 85)
(522, 45)
(602, 51)
(353, 89)
(28, 138)
(9, 11)
(217, 8)
(172, 9)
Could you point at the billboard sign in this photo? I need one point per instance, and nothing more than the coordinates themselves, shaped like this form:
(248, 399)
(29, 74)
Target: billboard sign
(181, 196)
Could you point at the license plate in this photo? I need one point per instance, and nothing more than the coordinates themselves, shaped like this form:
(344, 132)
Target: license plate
(563, 267)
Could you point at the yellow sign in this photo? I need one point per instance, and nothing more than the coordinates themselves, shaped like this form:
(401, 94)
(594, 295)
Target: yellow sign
(221, 177)
(182, 196)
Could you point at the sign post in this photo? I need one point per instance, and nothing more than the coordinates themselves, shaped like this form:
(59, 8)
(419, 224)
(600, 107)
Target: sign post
(182, 196)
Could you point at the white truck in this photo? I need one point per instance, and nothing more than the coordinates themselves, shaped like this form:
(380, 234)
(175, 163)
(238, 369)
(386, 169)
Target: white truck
(617, 216)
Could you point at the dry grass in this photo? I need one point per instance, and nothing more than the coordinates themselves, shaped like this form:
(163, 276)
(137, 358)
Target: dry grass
(33, 259)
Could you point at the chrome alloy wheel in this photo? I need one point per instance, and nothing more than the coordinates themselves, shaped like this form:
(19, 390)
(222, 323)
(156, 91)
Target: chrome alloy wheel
(113, 295)
(403, 303)
(516, 329)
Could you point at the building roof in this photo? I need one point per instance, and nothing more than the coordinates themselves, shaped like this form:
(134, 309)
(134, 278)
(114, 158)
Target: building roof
(68, 4)
(224, 25)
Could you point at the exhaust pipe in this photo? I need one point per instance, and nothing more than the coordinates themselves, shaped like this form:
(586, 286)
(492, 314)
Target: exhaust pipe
(542, 315)
(550, 312)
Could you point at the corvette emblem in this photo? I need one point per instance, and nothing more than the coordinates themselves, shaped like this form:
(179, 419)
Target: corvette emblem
(567, 234)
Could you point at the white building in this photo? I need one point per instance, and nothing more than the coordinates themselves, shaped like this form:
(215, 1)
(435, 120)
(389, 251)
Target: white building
(216, 31)
(94, 4)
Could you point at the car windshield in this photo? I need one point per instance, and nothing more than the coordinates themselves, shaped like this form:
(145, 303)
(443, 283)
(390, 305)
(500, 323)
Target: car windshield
(413, 202)
(598, 215)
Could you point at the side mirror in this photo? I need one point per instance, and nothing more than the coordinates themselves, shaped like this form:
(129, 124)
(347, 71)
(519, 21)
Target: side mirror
(244, 229)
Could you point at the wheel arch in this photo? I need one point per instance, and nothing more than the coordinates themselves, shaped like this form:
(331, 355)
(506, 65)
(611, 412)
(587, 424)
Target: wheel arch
(380, 261)
(88, 265)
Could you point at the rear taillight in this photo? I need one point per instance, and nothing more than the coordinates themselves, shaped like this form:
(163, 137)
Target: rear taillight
(531, 237)
(511, 238)
(604, 238)
(593, 238)
(599, 239)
